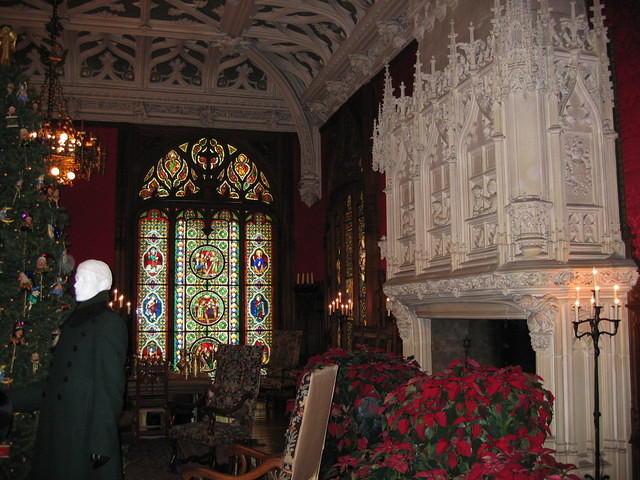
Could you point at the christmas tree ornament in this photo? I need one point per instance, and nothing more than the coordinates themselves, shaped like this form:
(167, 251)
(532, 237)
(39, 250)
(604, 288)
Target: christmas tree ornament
(3, 375)
(4, 215)
(22, 94)
(57, 288)
(27, 222)
(24, 281)
(66, 263)
(10, 88)
(41, 263)
(11, 118)
(40, 186)
(35, 362)
(32, 299)
(18, 190)
(53, 195)
(50, 231)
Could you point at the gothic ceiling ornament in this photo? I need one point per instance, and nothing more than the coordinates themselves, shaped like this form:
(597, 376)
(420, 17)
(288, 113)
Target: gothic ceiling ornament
(275, 65)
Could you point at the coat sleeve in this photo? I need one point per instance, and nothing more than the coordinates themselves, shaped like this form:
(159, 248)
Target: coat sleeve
(109, 382)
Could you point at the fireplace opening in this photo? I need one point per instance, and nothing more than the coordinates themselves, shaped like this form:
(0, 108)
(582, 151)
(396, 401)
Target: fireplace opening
(492, 343)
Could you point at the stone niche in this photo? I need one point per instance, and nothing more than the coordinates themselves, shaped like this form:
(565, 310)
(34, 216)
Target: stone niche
(501, 199)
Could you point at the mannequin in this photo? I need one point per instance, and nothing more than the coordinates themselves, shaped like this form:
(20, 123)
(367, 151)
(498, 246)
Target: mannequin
(92, 277)
(81, 400)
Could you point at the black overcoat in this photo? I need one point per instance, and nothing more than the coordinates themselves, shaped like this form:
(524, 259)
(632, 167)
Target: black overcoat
(81, 400)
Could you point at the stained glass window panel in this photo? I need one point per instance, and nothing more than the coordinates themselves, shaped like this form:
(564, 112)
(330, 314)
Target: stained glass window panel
(362, 263)
(153, 231)
(258, 261)
(207, 283)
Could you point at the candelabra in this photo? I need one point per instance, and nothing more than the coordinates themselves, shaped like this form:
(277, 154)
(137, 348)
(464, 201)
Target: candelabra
(341, 321)
(594, 332)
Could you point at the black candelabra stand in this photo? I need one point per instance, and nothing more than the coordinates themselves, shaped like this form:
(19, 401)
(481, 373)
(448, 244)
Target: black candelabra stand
(594, 332)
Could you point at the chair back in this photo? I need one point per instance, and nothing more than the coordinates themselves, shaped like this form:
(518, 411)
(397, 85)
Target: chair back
(308, 425)
(237, 376)
(285, 352)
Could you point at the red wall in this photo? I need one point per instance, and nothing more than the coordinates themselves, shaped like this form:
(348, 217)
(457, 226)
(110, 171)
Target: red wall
(622, 17)
(92, 207)
(309, 224)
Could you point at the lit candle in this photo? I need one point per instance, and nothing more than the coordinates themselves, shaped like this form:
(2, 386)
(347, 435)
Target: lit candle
(388, 307)
(128, 308)
(111, 305)
(615, 291)
(115, 294)
(121, 300)
(576, 307)
(597, 294)
(593, 301)
(616, 308)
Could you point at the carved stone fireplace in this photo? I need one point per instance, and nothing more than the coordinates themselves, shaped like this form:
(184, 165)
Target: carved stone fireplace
(502, 196)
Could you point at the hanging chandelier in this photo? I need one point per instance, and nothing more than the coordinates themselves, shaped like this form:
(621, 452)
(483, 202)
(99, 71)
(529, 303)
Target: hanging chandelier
(73, 153)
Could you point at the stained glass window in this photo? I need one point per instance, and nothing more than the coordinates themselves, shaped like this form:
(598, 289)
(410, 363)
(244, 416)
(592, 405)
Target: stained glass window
(205, 275)
(153, 228)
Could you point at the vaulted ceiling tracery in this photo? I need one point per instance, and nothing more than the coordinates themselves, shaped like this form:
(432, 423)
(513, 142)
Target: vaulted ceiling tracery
(280, 65)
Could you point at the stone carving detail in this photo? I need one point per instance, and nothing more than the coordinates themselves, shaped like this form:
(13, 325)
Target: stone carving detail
(583, 228)
(178, 63)
(541, 312)
(513, 282)
(405, 319)
(440, 244)
(107, 56)
(484, 195)
(529, 222)
(441, 209)
(407, 226)
(577, 167)
(239, 73)
(408, 253)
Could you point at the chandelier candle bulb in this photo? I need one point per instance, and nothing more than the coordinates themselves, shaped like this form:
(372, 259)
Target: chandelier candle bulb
(596, 291)
(128, 308)
(121, 300)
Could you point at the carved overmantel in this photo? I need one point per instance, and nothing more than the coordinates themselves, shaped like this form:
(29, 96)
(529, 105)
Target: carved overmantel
(501, 198)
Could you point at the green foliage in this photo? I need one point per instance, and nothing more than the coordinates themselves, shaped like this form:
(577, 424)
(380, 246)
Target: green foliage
(31, 228)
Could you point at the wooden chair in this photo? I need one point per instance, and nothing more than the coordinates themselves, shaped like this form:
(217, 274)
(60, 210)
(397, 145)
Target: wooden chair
(152, 416)
(304, 437)
(227, 413)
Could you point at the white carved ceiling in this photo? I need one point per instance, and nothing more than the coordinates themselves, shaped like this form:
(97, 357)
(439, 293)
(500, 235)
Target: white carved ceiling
(277, 65)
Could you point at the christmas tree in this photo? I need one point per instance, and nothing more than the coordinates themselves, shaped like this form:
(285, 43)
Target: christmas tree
(34, 267)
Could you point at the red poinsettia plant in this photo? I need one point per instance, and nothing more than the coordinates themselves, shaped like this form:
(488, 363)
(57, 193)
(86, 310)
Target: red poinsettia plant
(467, 422)
(365, 377)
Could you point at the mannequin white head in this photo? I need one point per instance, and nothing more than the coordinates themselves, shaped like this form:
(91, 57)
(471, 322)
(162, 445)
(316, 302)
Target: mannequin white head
(92, 277)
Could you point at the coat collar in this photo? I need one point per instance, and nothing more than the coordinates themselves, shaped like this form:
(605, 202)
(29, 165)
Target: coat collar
(88, 309)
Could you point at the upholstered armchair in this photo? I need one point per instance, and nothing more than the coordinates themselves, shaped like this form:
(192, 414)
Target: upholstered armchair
(227, 411)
